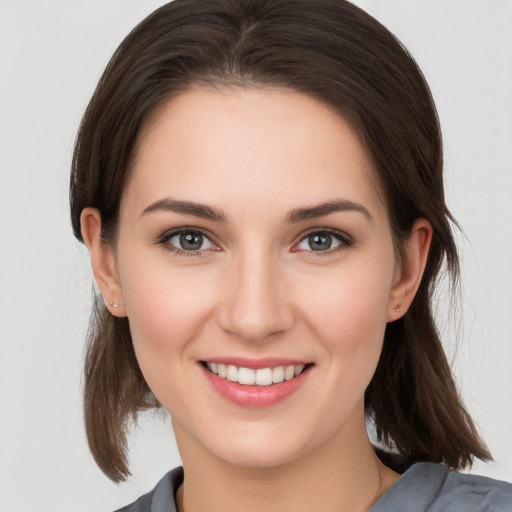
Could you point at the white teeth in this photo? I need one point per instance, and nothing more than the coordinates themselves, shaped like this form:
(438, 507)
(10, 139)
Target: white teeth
(289, 372)
(260, 377)
(232, 373)
(263, 377)
(246, 376)
(278, 374)
(298, 369)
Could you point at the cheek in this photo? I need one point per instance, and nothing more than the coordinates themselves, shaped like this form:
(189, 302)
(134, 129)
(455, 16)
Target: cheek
(167, 308)
(348, 313)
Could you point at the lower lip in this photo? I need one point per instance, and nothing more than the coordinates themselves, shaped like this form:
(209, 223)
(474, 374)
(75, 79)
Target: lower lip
(255, 396)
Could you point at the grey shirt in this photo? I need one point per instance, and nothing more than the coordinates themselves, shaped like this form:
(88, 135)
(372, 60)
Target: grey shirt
(424, 487)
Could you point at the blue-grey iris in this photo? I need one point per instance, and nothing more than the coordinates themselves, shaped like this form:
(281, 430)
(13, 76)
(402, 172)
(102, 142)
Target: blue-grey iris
(191, 241)
(320, 242)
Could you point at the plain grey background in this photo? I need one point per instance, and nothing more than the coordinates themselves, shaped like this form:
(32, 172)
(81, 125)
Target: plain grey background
(51, 56)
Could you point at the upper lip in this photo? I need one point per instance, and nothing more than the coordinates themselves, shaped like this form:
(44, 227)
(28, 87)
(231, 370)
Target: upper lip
(257, 364)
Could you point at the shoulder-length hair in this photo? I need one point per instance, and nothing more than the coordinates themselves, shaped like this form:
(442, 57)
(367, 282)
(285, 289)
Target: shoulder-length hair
(340, 55)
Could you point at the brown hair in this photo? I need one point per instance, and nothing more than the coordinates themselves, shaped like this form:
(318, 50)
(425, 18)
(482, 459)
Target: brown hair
(337, 53)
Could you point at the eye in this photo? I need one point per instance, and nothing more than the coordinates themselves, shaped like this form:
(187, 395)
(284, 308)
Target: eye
(187, 241)
(324, 241)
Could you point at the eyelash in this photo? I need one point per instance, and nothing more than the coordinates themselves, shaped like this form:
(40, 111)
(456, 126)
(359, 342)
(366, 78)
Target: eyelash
(168, 235)
(345, 241)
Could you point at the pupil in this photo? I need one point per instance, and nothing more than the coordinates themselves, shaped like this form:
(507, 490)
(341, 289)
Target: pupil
(191, 241)
(320, 242)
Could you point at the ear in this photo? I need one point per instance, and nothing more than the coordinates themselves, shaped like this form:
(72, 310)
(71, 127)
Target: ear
(102, 261)
(409, 269)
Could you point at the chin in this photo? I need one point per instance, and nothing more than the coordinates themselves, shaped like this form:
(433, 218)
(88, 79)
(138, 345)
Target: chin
(260, 448)
(258, 456)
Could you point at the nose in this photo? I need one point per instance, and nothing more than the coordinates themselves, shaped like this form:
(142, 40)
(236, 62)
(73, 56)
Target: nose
(257, 306)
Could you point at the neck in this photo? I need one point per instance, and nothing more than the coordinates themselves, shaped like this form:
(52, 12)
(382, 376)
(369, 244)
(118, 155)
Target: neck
(336, 477)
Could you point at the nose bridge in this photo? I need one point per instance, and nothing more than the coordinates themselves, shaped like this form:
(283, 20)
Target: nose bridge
(256, 306)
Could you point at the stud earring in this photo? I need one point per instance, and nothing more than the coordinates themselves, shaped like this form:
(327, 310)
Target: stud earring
(397, 309)
(114, 304)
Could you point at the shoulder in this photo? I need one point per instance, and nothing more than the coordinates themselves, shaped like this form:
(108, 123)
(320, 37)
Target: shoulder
(161, 498)
(427, 487)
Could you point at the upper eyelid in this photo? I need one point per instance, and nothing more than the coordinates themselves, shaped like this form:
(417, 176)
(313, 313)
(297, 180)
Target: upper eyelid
(164, 241)
(336, 232)
(167, 235)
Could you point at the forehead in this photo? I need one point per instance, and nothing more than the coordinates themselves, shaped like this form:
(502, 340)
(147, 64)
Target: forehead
(260, 144)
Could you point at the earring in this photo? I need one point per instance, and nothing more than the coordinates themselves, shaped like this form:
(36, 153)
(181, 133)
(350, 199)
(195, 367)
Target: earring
(114, 304)
(397, 309)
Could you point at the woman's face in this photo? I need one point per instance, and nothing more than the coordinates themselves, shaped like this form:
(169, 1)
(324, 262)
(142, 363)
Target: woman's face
(252, 235)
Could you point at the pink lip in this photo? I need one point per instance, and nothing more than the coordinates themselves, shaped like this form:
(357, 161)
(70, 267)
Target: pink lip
(257, 364)
(255, 396)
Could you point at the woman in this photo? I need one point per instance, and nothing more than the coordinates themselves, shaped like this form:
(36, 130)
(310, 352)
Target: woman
(260, 187)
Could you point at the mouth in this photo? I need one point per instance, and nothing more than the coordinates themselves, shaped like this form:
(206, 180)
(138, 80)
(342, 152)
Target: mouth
(261, 377)
(253, 383)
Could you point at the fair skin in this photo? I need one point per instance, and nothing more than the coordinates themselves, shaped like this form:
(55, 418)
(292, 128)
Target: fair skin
(259, 277)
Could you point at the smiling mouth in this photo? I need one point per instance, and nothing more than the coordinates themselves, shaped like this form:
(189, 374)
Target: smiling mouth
(261, 377)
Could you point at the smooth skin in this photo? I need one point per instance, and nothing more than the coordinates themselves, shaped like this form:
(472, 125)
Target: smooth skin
(257, 283)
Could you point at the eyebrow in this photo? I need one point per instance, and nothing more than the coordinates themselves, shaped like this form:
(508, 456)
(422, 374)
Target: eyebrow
(298, 215)
(321, 210)
(188, 208)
